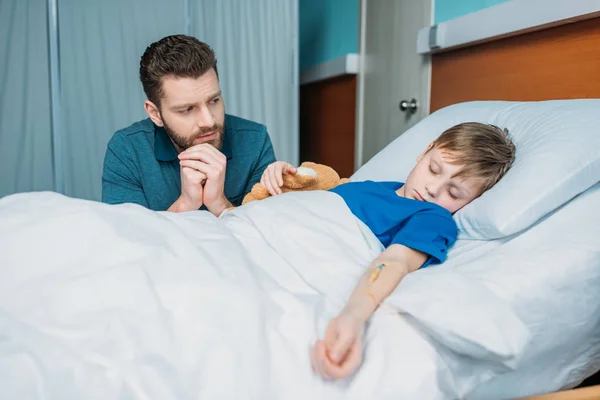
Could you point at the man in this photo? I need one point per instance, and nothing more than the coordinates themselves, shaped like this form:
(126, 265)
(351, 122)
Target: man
(188, 154)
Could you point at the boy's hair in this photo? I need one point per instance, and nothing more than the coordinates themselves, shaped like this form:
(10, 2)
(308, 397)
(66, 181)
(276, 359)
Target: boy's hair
(486, 151)
(178, 56)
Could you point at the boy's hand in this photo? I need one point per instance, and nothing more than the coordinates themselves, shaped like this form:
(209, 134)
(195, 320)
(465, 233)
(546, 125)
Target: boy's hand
(272, 178)
(341, 352)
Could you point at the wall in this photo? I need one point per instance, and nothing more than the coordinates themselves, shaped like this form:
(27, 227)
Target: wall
(446, 10)
(328, 29)
(327, 123)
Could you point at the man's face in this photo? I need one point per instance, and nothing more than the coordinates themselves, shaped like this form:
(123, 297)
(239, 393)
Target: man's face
(432, 180)
(192, 110)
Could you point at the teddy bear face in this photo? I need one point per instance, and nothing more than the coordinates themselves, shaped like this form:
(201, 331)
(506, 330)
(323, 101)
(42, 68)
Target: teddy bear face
(310, 176)
(326, 177)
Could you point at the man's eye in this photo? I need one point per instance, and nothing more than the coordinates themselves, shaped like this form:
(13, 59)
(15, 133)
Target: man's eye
(215, 101)
(187, 110)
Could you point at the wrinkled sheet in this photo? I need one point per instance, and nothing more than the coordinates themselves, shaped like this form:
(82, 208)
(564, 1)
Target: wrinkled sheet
(119, 302)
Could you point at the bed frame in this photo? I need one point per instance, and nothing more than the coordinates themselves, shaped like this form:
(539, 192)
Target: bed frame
(560, 62)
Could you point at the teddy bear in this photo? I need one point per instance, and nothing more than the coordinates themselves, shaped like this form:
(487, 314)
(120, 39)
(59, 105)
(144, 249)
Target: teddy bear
(309, 176)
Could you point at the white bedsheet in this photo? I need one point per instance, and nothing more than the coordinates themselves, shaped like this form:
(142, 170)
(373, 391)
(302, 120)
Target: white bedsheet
(118, 302)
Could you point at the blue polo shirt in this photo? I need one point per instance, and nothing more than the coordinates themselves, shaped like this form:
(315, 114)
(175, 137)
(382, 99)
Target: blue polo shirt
(420, 225)
(141, 164)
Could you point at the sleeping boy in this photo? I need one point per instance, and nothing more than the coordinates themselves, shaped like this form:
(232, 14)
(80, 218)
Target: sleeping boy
(412, 219)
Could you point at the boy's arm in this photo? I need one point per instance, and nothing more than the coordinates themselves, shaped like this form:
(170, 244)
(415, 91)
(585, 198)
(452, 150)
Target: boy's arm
(398, 261)
(265, 158)
(341, 352)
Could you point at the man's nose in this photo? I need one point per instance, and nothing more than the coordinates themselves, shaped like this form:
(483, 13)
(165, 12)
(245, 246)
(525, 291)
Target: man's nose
(205, 119)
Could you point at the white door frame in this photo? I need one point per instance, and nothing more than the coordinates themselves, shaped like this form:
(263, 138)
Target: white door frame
(360, 91)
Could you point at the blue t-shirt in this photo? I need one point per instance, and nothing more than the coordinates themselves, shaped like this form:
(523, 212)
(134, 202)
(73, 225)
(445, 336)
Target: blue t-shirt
(420, 225)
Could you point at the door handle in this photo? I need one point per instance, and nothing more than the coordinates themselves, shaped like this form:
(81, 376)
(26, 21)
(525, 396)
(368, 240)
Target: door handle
(409, 105)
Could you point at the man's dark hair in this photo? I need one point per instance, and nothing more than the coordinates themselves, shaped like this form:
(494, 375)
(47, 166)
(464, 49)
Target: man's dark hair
(178, 56)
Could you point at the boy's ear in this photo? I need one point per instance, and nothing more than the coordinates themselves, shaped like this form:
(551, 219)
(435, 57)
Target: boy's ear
(153, 112)
(426, 150)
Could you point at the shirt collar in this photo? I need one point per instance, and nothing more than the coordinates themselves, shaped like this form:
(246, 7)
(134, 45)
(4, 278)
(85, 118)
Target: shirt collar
(164, 150)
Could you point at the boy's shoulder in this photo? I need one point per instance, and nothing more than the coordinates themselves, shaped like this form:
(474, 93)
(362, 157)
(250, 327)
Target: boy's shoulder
(375, 185)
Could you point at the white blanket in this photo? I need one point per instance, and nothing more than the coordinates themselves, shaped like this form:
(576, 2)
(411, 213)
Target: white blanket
(118, 302)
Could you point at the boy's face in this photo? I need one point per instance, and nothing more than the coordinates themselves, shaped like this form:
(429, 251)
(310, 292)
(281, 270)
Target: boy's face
(432, 180)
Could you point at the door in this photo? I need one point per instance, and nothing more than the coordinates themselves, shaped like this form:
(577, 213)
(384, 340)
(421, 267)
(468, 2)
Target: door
(393, 87)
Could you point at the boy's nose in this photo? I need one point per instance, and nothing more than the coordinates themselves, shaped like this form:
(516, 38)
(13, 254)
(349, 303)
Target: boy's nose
(433, 189)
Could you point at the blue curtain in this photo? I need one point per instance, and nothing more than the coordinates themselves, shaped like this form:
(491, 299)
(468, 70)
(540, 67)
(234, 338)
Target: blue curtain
(256, 43)
(101, 43)
(25, 122)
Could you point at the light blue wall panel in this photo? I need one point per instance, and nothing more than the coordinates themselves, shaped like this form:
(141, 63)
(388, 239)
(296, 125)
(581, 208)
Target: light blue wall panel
(446, 10)
(328, 29)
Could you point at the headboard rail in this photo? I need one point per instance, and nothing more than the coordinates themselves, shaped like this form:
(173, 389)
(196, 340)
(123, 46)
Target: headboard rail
(561, 62)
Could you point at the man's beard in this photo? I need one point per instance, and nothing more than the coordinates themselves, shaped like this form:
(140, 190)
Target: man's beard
(184, 142)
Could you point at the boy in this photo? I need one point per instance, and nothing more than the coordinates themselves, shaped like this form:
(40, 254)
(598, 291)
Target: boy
(413, 220)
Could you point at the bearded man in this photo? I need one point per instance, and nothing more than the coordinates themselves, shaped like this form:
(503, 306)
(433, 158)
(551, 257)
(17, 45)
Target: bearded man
(188, 154)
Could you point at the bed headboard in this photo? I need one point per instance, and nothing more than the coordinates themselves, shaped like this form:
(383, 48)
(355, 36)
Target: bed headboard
(561, 62)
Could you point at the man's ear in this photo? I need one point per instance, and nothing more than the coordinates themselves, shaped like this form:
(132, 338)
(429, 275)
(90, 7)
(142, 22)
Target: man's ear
(425, 152)
(153, 112)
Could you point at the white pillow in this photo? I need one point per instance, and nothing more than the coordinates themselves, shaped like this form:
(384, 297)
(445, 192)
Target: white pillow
(558, 157)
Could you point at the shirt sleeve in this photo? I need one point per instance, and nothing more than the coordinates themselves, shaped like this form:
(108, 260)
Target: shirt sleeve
(119, 180)
(429, 233)
(266, 157)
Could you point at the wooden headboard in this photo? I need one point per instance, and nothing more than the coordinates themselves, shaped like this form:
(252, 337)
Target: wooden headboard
(561, 62)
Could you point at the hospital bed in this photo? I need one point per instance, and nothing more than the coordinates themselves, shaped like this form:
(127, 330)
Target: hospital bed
(100, 301)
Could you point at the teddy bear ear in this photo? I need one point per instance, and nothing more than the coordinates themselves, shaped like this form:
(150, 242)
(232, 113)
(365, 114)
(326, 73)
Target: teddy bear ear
(308, 164)
(326, 171)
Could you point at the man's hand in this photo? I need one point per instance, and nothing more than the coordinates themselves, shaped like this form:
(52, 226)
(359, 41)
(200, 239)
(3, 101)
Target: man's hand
(211, 162)
(191, 190)
(341, 352)
(272, 178)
